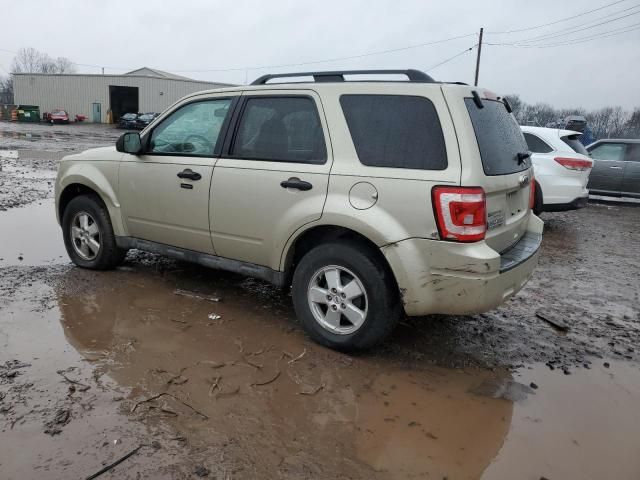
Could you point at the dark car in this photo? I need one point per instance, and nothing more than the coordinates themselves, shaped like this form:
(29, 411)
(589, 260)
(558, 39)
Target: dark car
(145, 119)
(128, 120)
(616, 167)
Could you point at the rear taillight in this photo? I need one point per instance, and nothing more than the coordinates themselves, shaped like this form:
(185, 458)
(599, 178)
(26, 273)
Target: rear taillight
(461, 213)
(574, 163)
(532, 192)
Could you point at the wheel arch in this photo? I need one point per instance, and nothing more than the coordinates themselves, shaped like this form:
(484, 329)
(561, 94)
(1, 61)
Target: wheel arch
(75, 185)
(316, 235)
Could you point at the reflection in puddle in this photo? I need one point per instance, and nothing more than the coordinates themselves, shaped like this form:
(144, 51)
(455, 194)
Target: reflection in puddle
(411, 424)
(582, 426)
(287, 403)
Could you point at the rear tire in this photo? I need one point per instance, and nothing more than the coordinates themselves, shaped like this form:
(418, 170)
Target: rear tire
(88, 234)
(362, 309)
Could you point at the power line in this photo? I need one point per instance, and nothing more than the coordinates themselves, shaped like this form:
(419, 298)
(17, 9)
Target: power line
(556, 35)
(298, 64)
(451, 58)
(558, 21)
(329, 60)
(609, 33)
(568, 29)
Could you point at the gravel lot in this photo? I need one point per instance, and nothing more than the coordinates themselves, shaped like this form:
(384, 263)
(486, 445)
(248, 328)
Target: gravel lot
(96, 364)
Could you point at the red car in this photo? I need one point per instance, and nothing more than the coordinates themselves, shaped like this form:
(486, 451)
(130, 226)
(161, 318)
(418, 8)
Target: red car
(58, 116)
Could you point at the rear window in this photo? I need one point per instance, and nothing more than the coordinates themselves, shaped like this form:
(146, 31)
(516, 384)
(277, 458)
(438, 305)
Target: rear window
(396, 131)
(499, 138)
(574, 143)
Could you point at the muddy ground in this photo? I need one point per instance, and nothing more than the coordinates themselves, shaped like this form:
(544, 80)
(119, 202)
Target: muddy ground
(206, 374)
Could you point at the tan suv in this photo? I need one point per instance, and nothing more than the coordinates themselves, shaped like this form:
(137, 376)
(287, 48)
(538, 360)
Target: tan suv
(369, 198)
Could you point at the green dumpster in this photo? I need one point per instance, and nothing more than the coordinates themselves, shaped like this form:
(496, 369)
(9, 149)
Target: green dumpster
(28, 113)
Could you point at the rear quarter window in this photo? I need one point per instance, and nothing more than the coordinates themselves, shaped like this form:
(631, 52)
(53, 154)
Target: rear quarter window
(536, 144)
(396, 131)
(499, 138)
(574, 143)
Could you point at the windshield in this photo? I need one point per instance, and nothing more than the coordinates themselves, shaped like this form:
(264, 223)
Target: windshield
(59, 112)
(129, 116)
(146, 117)
(500, 139)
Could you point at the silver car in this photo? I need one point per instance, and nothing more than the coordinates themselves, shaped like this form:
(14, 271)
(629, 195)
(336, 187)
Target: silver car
(616, 167)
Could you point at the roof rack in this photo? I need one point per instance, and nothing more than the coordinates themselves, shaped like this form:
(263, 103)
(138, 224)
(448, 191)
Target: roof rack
(338, 76)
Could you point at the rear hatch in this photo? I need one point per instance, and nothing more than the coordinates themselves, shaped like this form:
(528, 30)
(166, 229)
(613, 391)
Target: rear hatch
(495, 157)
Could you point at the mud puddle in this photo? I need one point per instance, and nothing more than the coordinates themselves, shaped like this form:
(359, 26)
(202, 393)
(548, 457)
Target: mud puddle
(56, 137)
(585, 426)
(234, 382)
(59, 415)
(215, 369)
(30, 235)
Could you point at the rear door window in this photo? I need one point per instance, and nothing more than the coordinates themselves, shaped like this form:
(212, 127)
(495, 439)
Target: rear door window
(282, 129)
(396, 131)
(633, 153)
(574, 143)
(536, 144)
(499, 138)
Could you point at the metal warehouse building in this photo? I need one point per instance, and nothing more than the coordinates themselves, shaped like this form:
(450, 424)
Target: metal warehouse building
(100, 97)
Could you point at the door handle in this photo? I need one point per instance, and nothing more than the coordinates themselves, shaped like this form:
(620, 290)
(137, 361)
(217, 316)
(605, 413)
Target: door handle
(296, 183)
(190, 174)
(616, 168)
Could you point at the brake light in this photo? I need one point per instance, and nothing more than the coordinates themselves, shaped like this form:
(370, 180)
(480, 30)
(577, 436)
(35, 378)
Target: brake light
(532, 192)
(461, 213)
(574, 163)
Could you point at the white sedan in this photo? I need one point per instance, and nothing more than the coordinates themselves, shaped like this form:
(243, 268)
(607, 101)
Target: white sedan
(561, 165)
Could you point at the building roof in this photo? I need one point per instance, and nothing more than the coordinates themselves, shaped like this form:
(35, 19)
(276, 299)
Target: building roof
(173, 78)
(152, 72)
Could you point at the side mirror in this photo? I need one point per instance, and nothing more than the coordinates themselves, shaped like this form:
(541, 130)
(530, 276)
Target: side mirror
(129, 143)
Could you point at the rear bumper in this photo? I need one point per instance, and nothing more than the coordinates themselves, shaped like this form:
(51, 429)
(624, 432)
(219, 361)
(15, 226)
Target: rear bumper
(563, 207)
(454, 278)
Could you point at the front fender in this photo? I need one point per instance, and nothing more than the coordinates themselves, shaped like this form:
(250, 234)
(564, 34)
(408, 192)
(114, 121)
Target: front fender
(101, 177)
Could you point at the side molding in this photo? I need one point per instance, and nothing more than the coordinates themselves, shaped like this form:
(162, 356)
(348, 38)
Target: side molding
(204, 259)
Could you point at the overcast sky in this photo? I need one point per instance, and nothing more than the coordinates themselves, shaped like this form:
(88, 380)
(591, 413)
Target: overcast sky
(202, 35)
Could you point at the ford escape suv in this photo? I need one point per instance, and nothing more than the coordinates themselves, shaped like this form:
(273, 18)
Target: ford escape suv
(369, 198)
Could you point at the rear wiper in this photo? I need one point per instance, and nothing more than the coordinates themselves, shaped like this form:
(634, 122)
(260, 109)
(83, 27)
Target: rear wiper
(476, 99)
(522, 156)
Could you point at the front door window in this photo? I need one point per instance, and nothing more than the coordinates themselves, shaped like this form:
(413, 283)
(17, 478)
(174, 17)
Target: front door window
(192, 130)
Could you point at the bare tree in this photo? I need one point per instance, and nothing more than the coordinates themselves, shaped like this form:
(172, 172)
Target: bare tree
(6, 89)
(27, 60)
(516, 105)
(64, 65)
(632, 125)
(30, 60)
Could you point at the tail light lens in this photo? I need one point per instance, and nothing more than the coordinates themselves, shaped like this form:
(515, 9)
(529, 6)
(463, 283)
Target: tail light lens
(461, 213)
(532, 193)
(574, 163)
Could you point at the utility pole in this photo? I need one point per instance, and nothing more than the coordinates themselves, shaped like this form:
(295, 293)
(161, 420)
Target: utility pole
(103, 70)
(478, 59)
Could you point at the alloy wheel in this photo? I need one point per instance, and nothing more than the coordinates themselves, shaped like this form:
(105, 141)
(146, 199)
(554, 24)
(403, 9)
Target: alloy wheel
(338, 300)
(85, 236)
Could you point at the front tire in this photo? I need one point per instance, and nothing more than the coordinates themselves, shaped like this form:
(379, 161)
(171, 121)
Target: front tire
(345, 296)
(88, 234)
